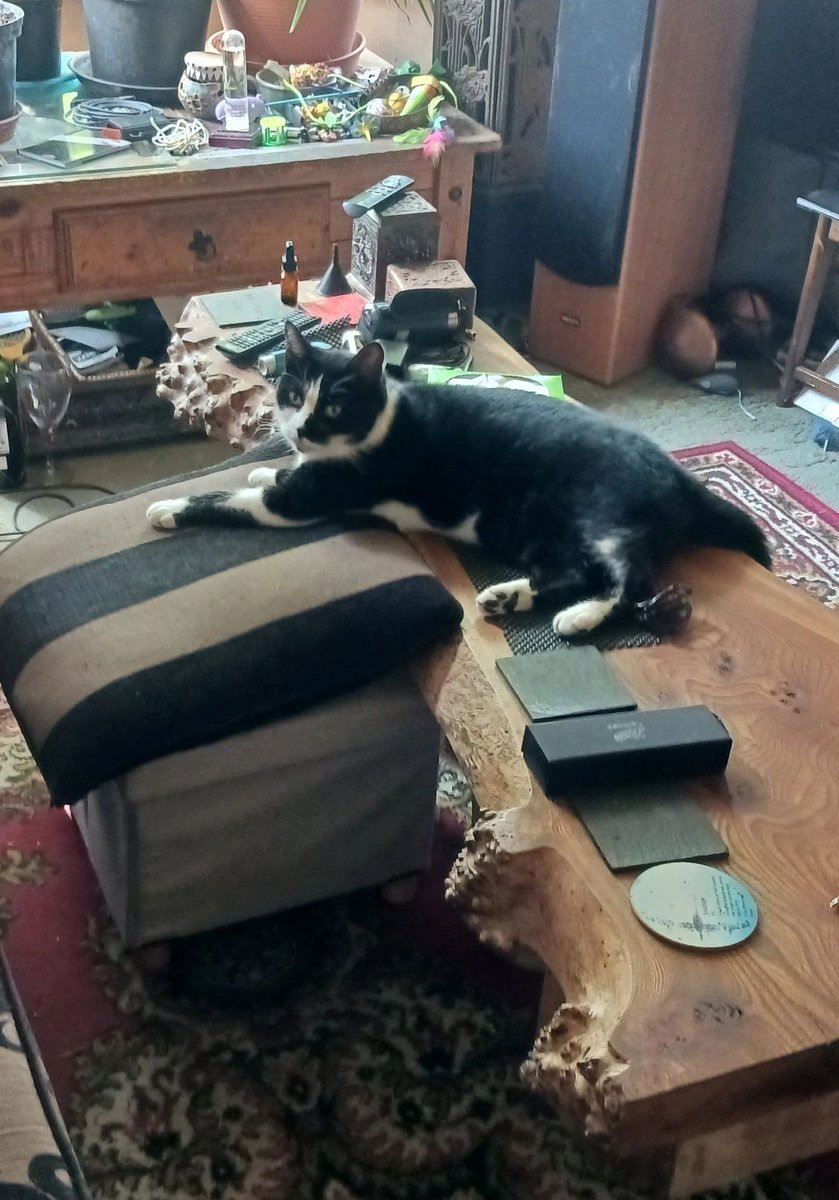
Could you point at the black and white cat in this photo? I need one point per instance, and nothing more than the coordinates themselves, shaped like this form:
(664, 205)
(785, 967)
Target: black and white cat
(589, 508)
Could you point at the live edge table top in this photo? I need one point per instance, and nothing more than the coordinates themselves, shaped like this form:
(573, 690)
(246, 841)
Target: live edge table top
(726, 1060)
(722, 1062)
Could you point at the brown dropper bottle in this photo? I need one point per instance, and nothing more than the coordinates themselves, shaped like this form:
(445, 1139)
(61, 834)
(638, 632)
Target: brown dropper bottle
(289, 278)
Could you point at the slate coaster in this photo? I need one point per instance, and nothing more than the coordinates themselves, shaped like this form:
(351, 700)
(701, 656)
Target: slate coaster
(565, 683)
(642, 825)
(244, 306)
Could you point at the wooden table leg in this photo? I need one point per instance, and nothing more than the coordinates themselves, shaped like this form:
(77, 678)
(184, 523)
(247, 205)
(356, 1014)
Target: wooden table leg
(818, 268)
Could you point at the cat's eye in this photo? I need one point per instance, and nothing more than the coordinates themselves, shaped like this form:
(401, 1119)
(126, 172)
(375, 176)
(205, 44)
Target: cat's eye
(332, 411)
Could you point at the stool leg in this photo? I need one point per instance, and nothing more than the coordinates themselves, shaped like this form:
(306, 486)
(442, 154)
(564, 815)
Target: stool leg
(821, 260)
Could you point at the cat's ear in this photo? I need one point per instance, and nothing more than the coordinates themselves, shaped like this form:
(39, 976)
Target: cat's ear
(297, 349)
(369, 361)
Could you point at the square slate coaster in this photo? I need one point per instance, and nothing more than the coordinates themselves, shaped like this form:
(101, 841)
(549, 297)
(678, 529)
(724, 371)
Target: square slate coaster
(565, 683)
(244, 306)
(644, 824)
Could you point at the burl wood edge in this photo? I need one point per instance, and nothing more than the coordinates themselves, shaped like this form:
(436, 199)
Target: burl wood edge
(513, 859)
(652, 1044)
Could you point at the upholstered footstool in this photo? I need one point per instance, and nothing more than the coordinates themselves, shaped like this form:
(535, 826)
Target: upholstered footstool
(229, 711)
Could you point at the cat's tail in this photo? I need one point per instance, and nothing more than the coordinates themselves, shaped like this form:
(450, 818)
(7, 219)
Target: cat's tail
(718, 522)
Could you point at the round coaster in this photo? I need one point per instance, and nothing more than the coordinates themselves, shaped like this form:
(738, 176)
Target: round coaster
(694, 905)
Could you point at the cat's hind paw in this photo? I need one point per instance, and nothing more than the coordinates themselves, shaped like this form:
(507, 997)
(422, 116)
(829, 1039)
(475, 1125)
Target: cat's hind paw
(163, 514)
(263, 477)
(515, 596)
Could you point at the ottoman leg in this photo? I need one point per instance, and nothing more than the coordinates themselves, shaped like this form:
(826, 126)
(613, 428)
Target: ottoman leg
(155, 957)
(401, 890)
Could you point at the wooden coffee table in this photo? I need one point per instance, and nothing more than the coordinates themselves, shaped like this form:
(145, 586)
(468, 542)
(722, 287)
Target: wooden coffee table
(718, 1064)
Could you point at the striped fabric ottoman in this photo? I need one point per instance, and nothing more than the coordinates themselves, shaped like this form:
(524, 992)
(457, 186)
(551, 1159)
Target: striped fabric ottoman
(228, 710)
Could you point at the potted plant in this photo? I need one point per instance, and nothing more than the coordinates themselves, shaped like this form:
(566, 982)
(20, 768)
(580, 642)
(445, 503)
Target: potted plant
(143, 42)
(301, 31)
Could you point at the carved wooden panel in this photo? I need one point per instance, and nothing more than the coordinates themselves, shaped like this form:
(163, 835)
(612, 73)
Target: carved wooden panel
(500, 55)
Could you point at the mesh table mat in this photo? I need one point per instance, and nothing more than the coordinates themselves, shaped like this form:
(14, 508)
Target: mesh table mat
(530, 632)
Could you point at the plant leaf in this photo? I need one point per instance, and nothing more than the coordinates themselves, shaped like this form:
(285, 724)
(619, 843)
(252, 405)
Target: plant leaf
(298, 13)
(411, 137)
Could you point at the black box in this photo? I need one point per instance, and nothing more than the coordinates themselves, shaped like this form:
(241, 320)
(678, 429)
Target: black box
(626, 747)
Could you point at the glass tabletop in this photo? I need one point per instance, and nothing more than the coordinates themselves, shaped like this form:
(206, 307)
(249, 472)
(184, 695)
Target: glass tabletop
(45, 105)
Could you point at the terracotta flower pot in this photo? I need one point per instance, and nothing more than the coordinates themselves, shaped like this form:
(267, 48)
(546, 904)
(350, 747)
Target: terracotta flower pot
(325, 31)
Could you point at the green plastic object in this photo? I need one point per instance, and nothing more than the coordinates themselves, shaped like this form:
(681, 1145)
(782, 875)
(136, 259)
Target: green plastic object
(546, 385)
(110, 312)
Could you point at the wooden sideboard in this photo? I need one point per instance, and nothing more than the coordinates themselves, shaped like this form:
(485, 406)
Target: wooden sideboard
(214, 221)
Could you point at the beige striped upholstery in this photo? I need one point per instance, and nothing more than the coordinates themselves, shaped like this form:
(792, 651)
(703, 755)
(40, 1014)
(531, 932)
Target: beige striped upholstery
(119, 644)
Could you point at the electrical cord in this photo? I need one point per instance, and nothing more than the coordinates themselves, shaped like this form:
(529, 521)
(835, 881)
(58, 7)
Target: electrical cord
(93, 114)
(181, 137)
(9, 536)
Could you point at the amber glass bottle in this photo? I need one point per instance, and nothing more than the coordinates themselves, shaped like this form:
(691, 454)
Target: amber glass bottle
(289, 279)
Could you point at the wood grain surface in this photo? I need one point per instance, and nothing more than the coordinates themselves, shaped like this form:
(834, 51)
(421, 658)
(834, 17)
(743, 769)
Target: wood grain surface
(652, 1044)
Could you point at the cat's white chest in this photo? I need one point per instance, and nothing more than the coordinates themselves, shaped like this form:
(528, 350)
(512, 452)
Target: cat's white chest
(409, 519)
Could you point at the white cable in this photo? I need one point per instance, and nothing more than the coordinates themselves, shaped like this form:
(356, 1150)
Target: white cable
(751, 416)
(181, 136)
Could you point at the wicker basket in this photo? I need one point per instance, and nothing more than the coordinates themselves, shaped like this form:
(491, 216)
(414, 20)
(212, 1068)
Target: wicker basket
(101, 381)
(390, 126)
(109, 409)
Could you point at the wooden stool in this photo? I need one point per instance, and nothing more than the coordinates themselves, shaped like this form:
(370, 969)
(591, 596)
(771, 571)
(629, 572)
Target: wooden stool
(826, 204)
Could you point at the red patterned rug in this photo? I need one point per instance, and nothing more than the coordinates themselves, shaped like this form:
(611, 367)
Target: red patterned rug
(803, 532)
(345, 1052)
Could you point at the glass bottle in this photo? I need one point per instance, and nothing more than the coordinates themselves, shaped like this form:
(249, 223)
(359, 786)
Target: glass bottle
(235, 68)
(289, 279)
(12, 439)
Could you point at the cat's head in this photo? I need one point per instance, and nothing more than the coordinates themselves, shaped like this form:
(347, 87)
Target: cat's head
(339, 400)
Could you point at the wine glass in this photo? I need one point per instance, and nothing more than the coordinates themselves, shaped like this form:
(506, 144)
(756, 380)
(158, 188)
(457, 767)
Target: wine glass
(43, 384)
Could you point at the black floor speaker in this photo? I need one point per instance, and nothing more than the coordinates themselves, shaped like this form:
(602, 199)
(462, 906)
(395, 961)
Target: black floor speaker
(644, 110)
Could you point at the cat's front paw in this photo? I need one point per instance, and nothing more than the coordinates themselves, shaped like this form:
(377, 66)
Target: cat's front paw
(263, 477)
(163, 514)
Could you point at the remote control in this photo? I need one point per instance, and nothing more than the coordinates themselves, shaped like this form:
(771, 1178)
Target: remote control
(246, 347)
(377, 195)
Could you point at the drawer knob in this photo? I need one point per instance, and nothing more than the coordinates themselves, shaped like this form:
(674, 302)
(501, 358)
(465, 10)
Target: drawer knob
(202, 245)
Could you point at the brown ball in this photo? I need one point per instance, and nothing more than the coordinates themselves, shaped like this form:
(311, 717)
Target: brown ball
(746, 320)
(686, 342)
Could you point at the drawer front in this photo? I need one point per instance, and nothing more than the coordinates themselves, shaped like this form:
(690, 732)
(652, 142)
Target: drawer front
(191, 242)
(12, 260)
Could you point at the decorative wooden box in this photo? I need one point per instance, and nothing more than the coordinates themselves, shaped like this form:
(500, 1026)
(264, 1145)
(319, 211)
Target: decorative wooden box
(446, 273)
(406, 231)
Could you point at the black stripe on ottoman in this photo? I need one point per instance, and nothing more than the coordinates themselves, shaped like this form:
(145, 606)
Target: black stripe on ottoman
(119, 645)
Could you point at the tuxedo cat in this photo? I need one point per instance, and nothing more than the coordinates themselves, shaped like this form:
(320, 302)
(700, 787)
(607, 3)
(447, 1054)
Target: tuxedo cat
(588, 508)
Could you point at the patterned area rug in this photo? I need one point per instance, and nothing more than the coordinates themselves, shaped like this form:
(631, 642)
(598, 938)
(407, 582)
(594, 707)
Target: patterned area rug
(803, 532)
(349, 1051)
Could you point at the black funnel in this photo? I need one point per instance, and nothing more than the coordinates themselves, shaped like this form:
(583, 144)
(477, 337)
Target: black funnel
(334, 281)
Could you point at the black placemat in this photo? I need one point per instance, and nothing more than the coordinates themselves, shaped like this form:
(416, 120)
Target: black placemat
(530, 632)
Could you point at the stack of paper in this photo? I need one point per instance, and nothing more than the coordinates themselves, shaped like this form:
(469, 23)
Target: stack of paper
(14, 322)
(817, 404)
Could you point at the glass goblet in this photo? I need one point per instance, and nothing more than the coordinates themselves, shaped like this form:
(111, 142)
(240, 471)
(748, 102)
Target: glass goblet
(44, 393)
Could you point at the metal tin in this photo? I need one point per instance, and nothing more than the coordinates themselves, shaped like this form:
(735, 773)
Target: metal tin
(271, 365)
(694, 905)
